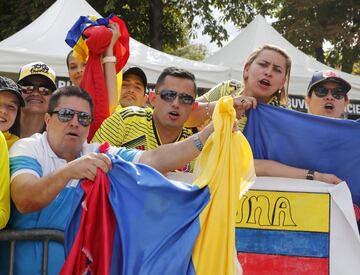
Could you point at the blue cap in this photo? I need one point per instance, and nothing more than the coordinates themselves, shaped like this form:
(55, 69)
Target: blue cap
(8, 85)
(322, 76)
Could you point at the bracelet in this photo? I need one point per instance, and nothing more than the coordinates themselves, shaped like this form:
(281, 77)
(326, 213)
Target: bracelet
(310, 175)
(207, 109)
(199, 145)
(108, 59)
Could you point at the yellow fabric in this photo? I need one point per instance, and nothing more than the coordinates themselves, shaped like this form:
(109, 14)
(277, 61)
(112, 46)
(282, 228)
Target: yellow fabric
(235, 87)
(4, 183)
(81, 51)
(10, 139)
(226, 166)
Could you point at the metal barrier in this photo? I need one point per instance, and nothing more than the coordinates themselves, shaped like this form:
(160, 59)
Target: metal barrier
(44, 235)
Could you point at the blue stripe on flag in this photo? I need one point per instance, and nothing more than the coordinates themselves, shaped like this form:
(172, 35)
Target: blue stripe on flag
(290, 243)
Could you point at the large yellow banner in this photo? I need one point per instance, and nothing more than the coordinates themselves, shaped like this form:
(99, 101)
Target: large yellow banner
(294, 211)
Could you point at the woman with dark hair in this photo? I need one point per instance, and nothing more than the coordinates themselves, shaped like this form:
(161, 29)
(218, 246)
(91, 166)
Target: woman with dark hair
(11, 102)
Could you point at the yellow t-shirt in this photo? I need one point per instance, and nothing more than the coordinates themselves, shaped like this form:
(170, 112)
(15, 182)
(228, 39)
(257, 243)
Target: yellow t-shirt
(4, 183)
(235, 87)
(10, 139)
(224, 88)
(133, 127)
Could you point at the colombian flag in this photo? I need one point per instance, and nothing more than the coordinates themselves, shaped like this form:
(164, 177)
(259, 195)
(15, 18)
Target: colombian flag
(145, 223)
(284, 232)
(307, 141)
(89, 37)
(271, 242)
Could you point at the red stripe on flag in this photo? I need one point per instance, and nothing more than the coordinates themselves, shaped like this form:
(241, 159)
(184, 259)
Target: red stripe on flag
(274, 264)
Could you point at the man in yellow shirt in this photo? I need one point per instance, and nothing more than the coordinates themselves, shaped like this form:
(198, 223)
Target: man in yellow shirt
(146, 129)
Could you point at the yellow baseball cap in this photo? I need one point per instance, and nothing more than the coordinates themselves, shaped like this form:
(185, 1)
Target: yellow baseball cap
(38, 68)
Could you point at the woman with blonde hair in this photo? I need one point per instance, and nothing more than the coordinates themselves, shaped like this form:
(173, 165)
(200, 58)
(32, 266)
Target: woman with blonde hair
(266, 77)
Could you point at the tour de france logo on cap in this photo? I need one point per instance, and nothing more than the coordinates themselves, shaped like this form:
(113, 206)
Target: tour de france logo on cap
(39, 68)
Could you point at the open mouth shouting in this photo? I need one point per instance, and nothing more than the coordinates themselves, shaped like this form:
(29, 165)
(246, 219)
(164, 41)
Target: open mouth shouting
(174, 115)
(329, 106)
(265, 82)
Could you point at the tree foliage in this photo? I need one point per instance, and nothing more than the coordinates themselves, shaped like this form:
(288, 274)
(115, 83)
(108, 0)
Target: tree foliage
(17, 14)
(193, 52)
(169, 24)
(308, 25)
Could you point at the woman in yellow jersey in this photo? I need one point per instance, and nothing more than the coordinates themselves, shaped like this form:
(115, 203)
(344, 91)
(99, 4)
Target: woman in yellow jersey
(265, 79)
(10, 103)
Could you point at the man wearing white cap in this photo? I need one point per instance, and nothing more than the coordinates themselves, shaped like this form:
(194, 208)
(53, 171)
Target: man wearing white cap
(37, 82)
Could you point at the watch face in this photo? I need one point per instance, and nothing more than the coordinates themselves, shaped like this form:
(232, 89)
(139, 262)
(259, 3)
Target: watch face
(310, 175)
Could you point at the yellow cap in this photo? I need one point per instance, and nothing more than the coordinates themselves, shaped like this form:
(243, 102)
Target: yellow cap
(38, 68)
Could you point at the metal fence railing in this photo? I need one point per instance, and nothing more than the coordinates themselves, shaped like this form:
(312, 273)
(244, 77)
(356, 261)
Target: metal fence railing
(44, 235)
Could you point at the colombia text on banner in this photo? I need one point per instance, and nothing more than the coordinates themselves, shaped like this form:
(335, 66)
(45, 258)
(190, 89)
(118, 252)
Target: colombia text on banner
(287, 226)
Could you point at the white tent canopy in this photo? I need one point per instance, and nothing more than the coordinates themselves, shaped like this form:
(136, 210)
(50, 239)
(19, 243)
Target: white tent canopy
(44, 39)
(259, 32)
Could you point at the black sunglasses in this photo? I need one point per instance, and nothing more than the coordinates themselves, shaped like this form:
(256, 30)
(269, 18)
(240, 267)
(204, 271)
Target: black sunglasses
(337, 93)
(67, 114)
(170, 95)
(30, 89)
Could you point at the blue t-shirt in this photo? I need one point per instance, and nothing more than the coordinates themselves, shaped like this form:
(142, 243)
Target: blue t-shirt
(34, 155)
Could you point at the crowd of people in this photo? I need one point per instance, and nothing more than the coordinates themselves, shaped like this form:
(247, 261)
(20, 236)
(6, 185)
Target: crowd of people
(45, 130)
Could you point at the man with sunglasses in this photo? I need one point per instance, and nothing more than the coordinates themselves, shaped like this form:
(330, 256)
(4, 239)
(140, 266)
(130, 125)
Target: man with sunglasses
(46, 168)
(37, 82)
(146, 129)
(327, 94)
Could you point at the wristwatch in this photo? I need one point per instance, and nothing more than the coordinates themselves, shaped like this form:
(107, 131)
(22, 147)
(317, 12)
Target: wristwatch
(199, 145)
(310, 175)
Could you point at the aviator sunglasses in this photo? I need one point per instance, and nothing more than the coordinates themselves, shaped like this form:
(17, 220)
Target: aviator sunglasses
(337, 93)
(67, 114)
(30, 89)
(170, 95)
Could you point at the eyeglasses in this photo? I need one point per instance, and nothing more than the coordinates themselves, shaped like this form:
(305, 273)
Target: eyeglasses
(30, 89)
(170, 95)
(67, 114)
(337, 93)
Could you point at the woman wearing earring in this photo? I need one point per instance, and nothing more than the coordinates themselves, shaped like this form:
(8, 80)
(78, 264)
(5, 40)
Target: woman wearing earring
(265, 79)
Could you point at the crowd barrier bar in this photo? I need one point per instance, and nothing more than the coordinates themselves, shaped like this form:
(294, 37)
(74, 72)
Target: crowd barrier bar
(44, 235)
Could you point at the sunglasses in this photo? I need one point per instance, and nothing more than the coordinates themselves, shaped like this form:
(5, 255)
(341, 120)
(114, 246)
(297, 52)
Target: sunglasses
(337, 93)
(30, 89)
(67, 114)
(170, 95)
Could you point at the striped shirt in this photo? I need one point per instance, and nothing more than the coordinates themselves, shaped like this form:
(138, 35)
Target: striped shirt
(235, 87)
(134, 127)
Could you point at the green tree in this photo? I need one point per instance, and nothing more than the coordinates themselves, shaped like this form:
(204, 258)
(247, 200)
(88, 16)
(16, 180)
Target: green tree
(155, 23)
(16, 14)
(308, 24)
(193, 52)
(168, 24)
